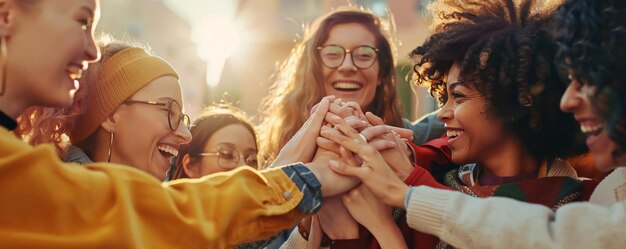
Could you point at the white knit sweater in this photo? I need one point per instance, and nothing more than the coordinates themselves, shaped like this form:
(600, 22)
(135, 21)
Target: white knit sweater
(467, 222)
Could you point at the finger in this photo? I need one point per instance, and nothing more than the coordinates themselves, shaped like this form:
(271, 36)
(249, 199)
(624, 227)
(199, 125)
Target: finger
(375, 132)
(317, 118)
(332, 118)
(402, 132)
(327, 144)
(357, 109)
(381, 144)
(348, 137)
(341, 109)
(347, 156)
(344, 169)
(356, 123)
(373, 119)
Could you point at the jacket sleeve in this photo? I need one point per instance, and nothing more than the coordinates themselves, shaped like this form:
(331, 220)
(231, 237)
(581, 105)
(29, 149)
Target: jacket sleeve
(50, 204)
(468, 222)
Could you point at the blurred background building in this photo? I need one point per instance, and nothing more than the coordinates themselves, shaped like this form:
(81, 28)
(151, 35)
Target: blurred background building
(235, 46)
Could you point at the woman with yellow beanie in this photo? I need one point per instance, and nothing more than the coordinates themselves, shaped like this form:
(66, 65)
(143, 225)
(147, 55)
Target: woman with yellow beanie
(45, 46)
(127, 111)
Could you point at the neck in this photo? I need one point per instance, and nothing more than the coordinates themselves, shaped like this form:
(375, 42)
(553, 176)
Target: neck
(510, 159)
(96, 146)
(12, 106)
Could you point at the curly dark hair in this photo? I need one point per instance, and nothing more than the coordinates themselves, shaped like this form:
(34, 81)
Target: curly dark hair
(508, 53)
(591, 35)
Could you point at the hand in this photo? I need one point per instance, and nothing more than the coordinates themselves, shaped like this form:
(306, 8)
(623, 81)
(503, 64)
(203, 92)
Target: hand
(332, 183)
(301, 147)
(336, 221)
(366, 209)
(374, 215)
(346, 109)
(398, 156)
(373, 171)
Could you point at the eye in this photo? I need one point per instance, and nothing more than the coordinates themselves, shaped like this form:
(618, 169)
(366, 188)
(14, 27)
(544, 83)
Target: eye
(86, 23)
(228, 155)
(457, 95)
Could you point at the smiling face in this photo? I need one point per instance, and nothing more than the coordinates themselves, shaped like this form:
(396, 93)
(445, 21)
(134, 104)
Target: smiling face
(347, 81)
(225, 140)
(51, 43)
(143, 138)
(576, 100)
(473, 136)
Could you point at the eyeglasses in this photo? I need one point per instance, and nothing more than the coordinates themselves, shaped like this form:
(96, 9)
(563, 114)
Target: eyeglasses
(228, 156)
(362, 57)
(175, 113)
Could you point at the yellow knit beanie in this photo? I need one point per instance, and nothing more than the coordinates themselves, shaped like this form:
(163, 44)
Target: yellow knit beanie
(119, 77)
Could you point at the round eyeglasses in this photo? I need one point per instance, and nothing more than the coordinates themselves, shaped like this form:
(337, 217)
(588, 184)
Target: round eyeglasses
(362, 57)
(174, 110)
(228, 156)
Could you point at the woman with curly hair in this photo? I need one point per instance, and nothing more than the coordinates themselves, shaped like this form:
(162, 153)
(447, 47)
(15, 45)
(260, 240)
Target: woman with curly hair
(590, 35)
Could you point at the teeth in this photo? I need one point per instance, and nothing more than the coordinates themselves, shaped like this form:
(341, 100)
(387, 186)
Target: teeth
(75, 73)
(347, 85)
(168, 149)
(591, 129)
(453, 133)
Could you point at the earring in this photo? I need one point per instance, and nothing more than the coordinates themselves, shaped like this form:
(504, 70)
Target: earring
(110, 146)
(3, 63)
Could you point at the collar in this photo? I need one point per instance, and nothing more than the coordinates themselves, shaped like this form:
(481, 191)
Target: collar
(7, 122)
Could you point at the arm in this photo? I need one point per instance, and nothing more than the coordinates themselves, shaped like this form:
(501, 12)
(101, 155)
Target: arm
(51, 204)
(375, 216)
(495, 222)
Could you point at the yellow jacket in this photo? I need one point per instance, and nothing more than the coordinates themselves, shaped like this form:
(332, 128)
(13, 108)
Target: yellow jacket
(45, 203)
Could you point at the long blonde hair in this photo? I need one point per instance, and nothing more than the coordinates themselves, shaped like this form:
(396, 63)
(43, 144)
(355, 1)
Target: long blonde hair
(299, 83)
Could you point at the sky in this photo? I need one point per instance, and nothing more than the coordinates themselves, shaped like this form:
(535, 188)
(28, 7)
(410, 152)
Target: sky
(209, 18)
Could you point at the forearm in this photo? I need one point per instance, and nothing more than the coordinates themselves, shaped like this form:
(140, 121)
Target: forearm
(388, 235)
(469, 222)
(121, 207)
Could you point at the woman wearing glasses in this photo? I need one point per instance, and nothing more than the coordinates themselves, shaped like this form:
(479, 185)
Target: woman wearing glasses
(45, 46)
(128, 111)
(347, 53)
(223, 139)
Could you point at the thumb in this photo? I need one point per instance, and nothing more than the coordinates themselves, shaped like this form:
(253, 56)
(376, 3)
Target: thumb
(373, 119)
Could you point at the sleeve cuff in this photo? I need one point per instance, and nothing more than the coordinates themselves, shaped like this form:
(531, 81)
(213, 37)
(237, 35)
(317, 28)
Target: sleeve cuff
(426, 208)
(308, 184)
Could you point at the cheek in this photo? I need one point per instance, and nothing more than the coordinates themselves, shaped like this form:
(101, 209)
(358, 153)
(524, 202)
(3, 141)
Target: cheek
(210, 166)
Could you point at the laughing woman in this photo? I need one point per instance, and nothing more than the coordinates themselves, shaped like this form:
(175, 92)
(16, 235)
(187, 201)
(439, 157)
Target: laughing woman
(44, 47)
(591, 35)
(495, 79)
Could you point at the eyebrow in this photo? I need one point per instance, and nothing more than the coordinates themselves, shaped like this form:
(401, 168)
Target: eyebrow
(453, 85)
(89, 10)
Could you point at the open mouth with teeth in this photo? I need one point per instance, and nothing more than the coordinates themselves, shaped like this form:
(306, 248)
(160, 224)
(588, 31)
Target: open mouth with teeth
(592, 130)
(167, 151)
(452, 134)
(347, 86)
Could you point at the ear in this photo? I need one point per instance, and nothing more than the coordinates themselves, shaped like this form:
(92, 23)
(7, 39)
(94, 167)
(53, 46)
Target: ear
(109, 123)
(6, 7)
(189, 169)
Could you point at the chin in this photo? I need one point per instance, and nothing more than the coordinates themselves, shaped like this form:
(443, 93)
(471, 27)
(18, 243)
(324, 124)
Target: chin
(64, 100)
(605, 163)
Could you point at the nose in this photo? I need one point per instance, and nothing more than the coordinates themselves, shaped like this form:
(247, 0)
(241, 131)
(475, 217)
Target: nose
(446, 112)
(347, 65)
(183, 133)
(92, 51)
(570, 100)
